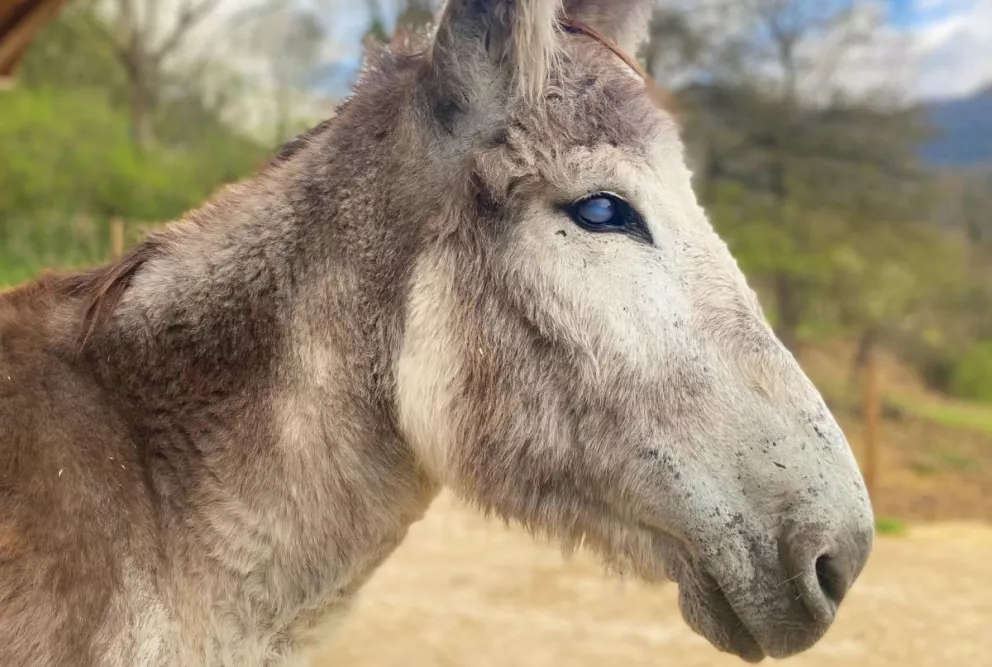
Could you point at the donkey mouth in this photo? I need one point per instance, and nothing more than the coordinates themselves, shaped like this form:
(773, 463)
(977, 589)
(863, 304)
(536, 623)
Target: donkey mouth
(709, 612)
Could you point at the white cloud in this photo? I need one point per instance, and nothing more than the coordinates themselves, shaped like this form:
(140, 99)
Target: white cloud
(954, 52)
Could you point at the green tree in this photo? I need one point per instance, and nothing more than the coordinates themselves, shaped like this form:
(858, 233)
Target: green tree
(797, 170)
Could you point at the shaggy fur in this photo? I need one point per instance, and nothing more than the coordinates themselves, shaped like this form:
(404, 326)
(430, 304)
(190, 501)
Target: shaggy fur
(207, 447)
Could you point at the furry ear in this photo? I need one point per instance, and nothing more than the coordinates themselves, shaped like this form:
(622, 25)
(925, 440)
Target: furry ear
(482, 39)
(626, 22)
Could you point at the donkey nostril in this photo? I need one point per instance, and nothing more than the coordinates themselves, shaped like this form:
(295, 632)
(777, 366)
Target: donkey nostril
(824, 566)
(830, 578)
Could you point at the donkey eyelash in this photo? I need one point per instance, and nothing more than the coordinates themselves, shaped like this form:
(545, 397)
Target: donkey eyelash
(608, 212)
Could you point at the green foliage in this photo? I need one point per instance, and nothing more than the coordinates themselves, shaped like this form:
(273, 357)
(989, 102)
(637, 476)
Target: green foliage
(69, 151)
(49, 241)
(971, 377)
(70, 165)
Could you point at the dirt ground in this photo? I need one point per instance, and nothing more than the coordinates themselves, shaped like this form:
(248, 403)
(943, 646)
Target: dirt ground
(466, 591)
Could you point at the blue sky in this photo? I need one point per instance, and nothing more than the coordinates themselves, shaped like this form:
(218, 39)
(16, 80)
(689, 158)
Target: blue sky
(915, 12)
(906, 12)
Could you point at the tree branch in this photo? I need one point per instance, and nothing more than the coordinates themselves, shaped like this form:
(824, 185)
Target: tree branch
(104, 34)
(191, 15)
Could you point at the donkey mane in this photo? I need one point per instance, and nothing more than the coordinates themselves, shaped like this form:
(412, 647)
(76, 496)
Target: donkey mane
(294, 146)
(101, 287)
(105, 286)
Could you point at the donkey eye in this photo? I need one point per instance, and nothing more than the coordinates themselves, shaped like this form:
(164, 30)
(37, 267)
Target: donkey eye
(605, 212)
(601, 211)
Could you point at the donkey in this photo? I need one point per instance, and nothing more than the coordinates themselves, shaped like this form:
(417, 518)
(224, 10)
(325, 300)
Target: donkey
(488, 272)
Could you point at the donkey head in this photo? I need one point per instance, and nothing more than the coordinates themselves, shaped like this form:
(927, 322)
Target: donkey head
(580, 351)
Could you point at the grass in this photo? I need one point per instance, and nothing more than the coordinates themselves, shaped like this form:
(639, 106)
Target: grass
(922, 468)
(955, 461)
(936, 460)
(890, 526)
(947, 412)
(952, 414)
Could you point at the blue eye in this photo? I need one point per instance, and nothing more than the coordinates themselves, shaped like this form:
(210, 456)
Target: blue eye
(600, 211)
(606, 212)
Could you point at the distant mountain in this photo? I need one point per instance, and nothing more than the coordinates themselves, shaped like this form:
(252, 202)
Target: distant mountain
(964, 131)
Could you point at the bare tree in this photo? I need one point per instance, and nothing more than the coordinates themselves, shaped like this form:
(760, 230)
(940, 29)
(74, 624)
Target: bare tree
(143, 40)
(290, 39)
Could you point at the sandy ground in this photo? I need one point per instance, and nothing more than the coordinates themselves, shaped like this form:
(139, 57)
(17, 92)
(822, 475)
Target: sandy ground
(466, 591)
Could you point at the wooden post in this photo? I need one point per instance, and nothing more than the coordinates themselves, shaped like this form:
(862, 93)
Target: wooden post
(871, 416)
(117, 237)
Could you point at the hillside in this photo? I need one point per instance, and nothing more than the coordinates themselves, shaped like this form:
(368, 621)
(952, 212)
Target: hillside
(964, 131)
(935, 453)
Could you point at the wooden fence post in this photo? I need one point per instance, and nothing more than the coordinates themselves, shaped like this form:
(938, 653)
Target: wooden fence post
(872, 412)
(117, 237)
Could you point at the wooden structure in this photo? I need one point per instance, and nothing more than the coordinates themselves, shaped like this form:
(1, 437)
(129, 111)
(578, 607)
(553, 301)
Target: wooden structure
(20, 21)
(872, 419)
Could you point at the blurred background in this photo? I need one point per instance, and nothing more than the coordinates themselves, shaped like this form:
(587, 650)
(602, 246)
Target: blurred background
(843, 149)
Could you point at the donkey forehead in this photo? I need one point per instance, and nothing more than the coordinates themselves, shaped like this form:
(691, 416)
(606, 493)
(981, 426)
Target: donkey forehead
(594, 108)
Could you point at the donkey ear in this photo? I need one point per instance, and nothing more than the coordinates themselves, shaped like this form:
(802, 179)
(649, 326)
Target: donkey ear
(477, 39)
(626, 22)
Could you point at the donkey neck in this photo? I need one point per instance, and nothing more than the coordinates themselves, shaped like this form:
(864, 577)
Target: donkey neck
(252, 355)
